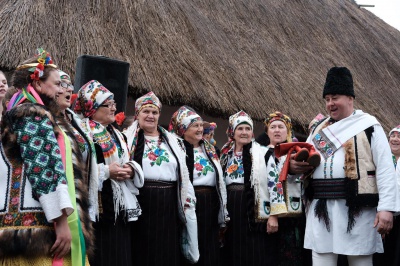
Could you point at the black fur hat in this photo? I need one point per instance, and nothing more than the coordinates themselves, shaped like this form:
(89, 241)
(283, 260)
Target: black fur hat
(339, 81)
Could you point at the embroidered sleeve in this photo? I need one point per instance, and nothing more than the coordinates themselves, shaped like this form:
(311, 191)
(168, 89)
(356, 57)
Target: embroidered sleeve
(43, 164)
(275, 189)
(41, 154)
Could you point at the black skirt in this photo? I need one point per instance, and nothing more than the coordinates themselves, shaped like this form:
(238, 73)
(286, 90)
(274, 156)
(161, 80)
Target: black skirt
(244, 245)
(155, 236)
(391, 247)
(113, 243)
(207, 209)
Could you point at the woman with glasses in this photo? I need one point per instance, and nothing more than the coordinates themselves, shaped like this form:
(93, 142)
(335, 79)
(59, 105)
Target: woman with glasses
(118, 178)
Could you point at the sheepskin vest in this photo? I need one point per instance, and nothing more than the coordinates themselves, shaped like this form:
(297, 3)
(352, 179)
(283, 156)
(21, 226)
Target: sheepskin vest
(361, 185)
(24, 229)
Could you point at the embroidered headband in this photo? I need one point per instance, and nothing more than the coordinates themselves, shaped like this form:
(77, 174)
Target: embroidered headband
(237, 119)
(90, 97)
(64, 75)
(182, 119)
(396, 129)
(278, 116)
(149, 99)
(44, 59)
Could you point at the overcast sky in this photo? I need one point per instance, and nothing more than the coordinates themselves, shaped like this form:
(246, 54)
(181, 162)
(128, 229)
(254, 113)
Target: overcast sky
(387, 10)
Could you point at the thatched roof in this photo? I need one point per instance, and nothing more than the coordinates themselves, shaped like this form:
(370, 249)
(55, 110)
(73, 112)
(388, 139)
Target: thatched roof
(219, 56)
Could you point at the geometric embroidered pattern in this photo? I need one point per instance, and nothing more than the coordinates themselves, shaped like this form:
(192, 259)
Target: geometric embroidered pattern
(40, 153)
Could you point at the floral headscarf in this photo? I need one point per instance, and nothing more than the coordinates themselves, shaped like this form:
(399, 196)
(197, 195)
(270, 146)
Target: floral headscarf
(278, 116)
(237, 119)
(182, 119)
(396, 129)
(90, 97)
(149, 99)
(64, 75)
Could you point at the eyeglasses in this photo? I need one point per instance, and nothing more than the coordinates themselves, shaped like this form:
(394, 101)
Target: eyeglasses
(66, 85)
(109, 105)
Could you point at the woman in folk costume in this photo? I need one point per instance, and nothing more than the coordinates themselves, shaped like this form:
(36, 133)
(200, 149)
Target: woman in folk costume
(391, 242)
(291, 228)
(119, 178)
(205, 173)
(255, 197)
(68, 118)
(169, 220)
(44, 211)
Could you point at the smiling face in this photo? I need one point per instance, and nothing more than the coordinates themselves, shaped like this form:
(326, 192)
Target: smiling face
(105, 114)
(277, 132)
(394, 143)
(194, 133)
(3, 85)
(64, 99)
(339, 106)
(148, 119)
(243, 134)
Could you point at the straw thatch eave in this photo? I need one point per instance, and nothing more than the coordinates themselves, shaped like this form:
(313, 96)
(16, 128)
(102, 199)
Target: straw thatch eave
(219, 56)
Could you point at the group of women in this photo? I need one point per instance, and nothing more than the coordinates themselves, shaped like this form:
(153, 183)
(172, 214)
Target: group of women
(77, 191)
(73, 180)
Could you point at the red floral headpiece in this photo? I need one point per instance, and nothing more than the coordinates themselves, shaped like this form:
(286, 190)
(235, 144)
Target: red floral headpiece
(44, 59)
(120, 118)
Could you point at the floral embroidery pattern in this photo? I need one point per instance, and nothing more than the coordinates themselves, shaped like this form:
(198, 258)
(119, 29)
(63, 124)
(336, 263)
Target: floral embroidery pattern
(234, 168)
(275, 187)
(155, 153)
(201, 164)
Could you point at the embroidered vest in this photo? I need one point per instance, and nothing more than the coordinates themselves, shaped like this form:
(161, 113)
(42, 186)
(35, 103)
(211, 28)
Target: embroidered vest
(361, 185)
(20, 214)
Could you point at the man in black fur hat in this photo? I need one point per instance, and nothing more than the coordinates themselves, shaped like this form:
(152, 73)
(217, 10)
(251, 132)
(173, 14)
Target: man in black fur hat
(351, 194)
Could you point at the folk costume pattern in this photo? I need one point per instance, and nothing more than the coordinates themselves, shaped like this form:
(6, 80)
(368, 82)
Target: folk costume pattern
(156, 152)
(113, 149)
(88, 152)
(41, 154)
(234, 170)
(341, 236)
(31, 182)
(185, 199)
(202, 166)
(181, 120)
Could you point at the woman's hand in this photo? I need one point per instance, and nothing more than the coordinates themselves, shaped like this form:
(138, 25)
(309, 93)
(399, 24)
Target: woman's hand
(119, 173)
(272, 224)
(129, 172)
(63, 237)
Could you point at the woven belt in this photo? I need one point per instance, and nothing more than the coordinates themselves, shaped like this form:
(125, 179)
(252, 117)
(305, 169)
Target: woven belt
(151, 183)
(204, 189)
(332, 188)
(235, 187)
